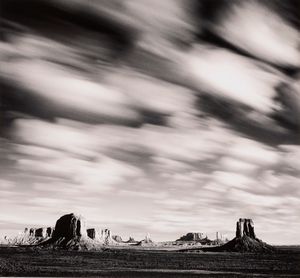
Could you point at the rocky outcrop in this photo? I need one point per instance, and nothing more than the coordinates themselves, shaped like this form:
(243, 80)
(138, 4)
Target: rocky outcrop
(41, 232)
(131, 240)
(49, 231)
(31, 231)
(106, 234)
(30, 236)
(146, 242)
(245, 240)
(70, 226)
(191, 237)
(92, 233)
(107, 237)
(69, 233)
(103, 236)
(245, 227)
(117, 238)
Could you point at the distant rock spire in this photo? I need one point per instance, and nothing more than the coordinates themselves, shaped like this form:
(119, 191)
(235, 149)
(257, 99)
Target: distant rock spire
(245, 226)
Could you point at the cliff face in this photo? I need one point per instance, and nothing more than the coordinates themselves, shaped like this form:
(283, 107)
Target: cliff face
(245, 240)
(103, 236)
(69, 233)
(191, 237)
(50, 231)
(30, 236)
(92, 233)
(41, 232)
(117, 238)
(245, 227)
(70, 226)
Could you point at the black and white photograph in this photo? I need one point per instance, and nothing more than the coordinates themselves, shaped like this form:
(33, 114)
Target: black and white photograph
(150, 138)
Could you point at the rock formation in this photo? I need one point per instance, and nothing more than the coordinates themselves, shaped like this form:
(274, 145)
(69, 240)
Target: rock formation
(41, 232)
(245, 227)
(107, 237)
(69, 233)
(245, 240)
(69, 226)
(147, 241)
(148, 238)
(91, 233)
(117, 238)
(31, 231)
(191, 237)
(103, 236)
(49, 231)
(30, 236)
(131, 240)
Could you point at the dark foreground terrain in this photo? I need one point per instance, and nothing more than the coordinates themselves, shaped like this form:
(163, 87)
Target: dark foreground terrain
(147, 263)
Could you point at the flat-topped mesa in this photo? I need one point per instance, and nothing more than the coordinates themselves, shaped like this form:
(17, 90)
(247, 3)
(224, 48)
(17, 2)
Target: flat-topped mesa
(70, 226)
(92, 233)
(191, 237)
(245, 227)
(95, 233)
(41, 232)
(102, 236)
(70, 233)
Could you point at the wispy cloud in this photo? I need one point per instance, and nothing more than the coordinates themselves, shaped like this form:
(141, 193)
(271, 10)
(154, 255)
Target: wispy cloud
(276, 41)
(160, 128)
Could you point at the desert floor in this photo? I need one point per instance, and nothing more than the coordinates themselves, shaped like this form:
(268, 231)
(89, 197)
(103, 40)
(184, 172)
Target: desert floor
(21, 261)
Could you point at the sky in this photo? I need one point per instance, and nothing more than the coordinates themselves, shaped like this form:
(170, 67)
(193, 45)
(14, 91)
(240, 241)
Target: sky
(168, 122)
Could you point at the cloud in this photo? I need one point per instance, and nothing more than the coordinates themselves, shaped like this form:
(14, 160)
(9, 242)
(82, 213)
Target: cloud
(276, 41)
(143, 194)
(166, 98)
(255, 200)
(77, 95)
(172, 23)
(237, 165)
(48, 202)
(91, 176)
(190, 145)
(52, 136)
(232, 179)
(223, 73)
(6, 184)
(291, 157)
(175, 204)
(253, 152)
(168, 164)
(105, 172)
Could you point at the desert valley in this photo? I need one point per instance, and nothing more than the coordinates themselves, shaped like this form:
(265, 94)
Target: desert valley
(150, 138)
(70, 249)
